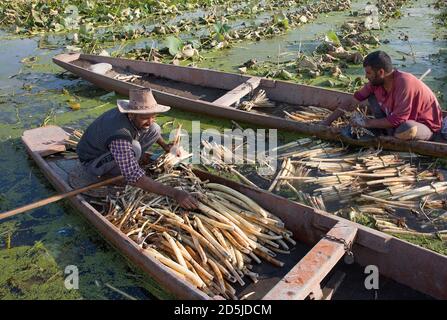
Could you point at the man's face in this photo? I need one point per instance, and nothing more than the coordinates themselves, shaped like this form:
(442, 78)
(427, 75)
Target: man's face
(376, 78)
(143, 121)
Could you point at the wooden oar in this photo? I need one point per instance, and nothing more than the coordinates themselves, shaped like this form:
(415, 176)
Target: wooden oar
(58, 197)
(424, 74)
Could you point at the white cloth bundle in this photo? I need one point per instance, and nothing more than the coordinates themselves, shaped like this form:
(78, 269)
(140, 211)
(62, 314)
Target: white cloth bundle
(101, 68)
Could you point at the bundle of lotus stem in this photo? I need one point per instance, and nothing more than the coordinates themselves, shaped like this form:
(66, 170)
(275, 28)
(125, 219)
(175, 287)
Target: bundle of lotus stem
(220, 157)
(73, 139)
(312, 201)
(309, 114)
(126, 77)
(359, 115)
(213, 247)
(176, 155)
(376, 182)
(317, 114)
(259, 100)
(437, 187)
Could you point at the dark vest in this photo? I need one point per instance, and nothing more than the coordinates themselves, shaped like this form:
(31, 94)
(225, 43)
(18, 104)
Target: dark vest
(110, 126)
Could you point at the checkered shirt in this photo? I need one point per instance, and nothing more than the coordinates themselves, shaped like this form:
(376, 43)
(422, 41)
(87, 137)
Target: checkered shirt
(125, 158)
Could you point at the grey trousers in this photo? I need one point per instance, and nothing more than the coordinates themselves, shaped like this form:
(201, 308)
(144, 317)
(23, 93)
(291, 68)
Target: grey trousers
(409, 130)
(105, 164)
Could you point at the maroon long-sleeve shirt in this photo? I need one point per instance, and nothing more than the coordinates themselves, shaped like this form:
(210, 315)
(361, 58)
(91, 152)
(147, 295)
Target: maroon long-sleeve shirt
(409, 99)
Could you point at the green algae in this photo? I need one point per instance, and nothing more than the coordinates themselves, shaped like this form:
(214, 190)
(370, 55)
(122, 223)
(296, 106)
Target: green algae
(436, 245)
(284, 49)
(68, 240)
(30, 272)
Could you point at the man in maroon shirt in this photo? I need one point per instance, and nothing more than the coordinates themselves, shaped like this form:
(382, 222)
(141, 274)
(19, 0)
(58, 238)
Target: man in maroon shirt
(402, 104)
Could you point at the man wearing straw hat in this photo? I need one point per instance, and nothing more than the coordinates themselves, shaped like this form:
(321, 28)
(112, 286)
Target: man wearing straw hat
(115, 142)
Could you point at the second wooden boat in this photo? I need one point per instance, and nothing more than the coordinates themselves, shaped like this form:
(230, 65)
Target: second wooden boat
(215, 93)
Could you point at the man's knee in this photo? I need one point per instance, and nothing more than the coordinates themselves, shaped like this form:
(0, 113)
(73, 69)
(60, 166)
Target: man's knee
(412, 130)
(136, 147)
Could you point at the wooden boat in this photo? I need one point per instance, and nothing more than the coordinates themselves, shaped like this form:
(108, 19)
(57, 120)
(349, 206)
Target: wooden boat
(314, 269)
(213, 93)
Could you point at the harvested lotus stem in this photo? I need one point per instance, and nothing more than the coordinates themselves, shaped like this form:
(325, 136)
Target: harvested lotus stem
(437, 187)
(407, 179)
(288, 170)
(73, 139)
(220, 158)
(299, 143)
(390, 191)
(211, 248)
(315, 202)
(259, 100)
(415, 233)
(396, 204)
(167, 161)
(310, 113)
(275, 181)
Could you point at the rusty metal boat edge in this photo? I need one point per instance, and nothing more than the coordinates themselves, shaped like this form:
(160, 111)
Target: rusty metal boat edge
(276, 90)
(413, 266)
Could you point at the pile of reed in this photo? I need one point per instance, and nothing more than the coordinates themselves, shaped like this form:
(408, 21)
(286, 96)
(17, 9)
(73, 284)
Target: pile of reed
(259, 100)
(319, 173)
(309, 114)
(221, 158)
(213, 247)
(74, 137)
(167, 161)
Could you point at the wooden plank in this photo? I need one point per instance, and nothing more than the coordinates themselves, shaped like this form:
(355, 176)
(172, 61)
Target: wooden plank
(311, 270)
(239, 92)
(58, 170)
(46, 140)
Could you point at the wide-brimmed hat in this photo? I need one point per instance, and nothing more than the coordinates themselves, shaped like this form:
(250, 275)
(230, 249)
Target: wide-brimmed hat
(141, 101)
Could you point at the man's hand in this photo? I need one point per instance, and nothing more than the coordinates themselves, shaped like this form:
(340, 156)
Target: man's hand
(167, 147)
(185, 200)
(337, 113)
(358, 121)
(146, 158)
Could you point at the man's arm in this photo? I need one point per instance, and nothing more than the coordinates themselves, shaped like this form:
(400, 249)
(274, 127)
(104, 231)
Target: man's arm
(382, 123)
(135, 175)
(167, 146)
(162, 143)
(184, 199)
(343, 105)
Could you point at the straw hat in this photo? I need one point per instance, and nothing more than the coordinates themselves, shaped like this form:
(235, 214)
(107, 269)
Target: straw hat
(141, 101)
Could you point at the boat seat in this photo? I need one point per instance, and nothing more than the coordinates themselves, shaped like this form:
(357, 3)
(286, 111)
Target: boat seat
(235, 95)
(46, 141)
(304, 279)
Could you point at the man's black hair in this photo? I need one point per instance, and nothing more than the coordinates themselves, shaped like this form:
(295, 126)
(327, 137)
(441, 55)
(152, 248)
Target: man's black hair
(378, 60)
